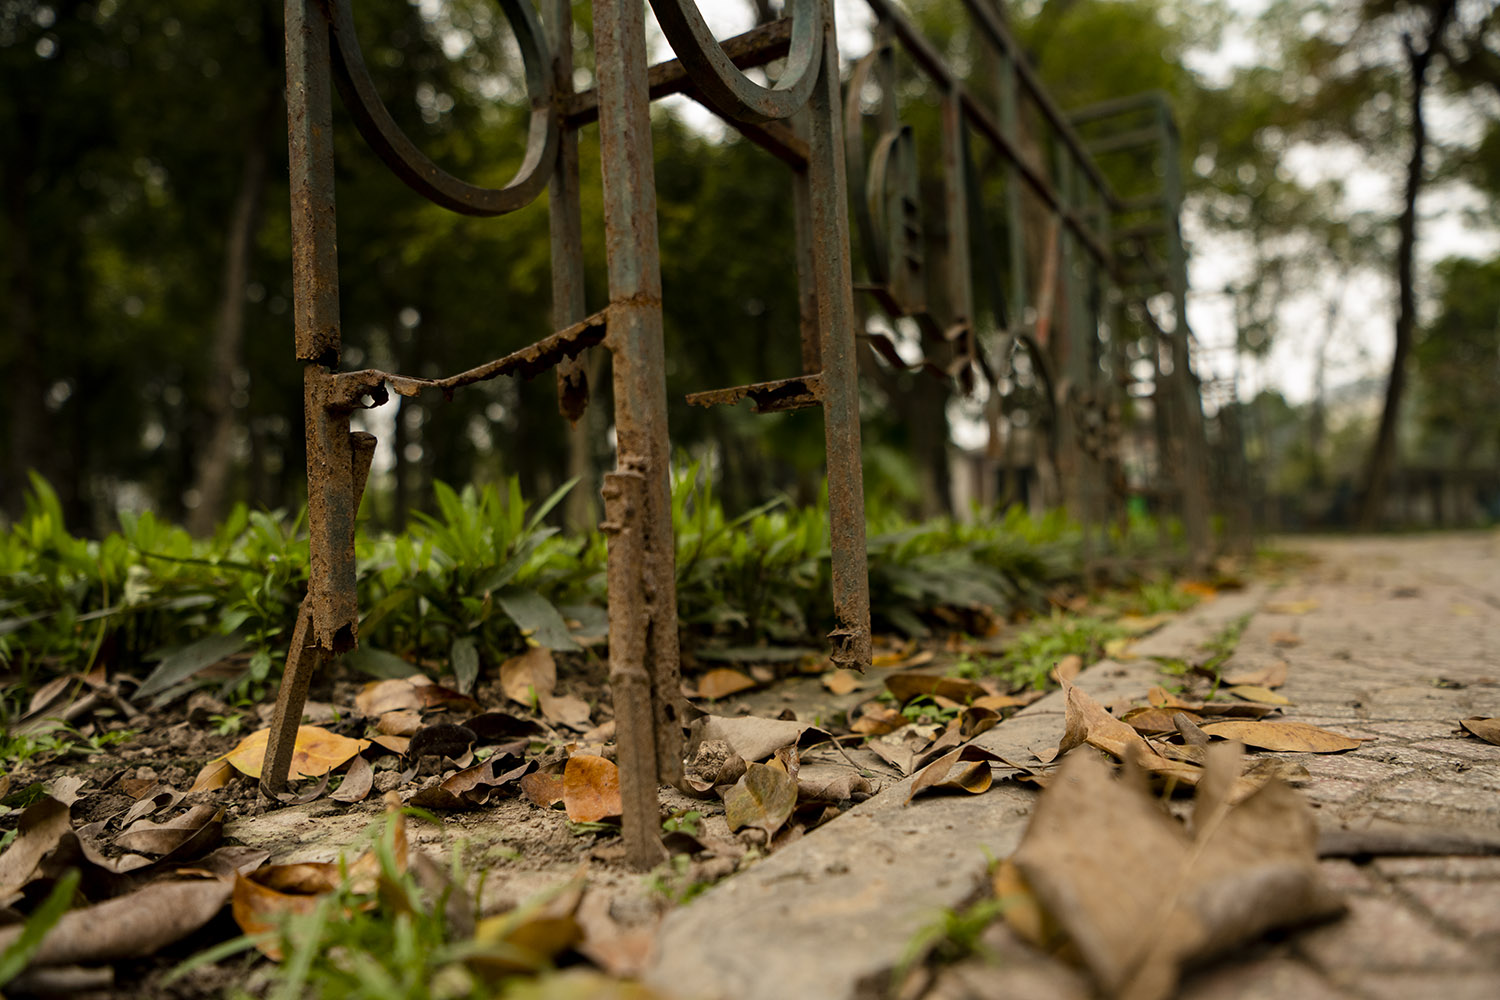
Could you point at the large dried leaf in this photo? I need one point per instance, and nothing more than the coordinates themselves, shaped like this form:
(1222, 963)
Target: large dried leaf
(525, 678)
(263, 897)
(753, 738)
(1087, 721)
(1272, 676)
(566, 710)
(1068, 668)
(215, 774)
(1138, 897)
(133, 926)
(530, 937)
(1486, 729)
(315, 752)
(200, 828)
(906, 686)
(41, 827)
(591, 789)
(1259, 695)
(1152, 720)
(472, 786)
(357, 783)
(996, 702)
(618, 950)
(394, 695)
(840, 682)
(722, 682)
(402, 722)
(1283, 736)
(545, 790)
(830, 783)
(763, 798)
(949, 773)
(875, 719)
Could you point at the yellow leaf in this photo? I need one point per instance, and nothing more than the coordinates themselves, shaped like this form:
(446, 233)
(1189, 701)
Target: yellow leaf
(1253, 692)
(723, 682)
(1283, 736)
(315, 752)
(215, 774)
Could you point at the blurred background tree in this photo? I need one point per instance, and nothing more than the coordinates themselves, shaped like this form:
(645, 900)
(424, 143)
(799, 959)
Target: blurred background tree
(145, 264)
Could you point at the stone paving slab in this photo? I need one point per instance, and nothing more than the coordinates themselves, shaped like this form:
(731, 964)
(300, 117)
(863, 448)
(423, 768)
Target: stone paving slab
(1391, 638)
(831, 915)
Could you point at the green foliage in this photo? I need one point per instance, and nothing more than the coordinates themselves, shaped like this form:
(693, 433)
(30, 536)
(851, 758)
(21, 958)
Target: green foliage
(470, 584)
(1035, 650)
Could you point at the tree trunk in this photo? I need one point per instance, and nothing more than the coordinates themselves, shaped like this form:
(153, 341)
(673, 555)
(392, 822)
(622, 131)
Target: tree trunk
(1383, 454)
(216, 460)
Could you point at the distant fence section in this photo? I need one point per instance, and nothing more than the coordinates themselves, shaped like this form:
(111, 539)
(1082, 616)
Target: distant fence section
(1029, 283)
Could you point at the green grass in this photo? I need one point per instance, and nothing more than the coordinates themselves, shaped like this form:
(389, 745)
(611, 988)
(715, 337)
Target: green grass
(1035, 650)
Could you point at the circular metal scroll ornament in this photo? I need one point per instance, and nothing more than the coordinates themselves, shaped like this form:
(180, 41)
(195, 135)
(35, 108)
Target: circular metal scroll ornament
(722, 84)
(413, 166)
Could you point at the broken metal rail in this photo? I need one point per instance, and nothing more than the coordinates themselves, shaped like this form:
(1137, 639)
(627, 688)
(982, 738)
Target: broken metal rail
(801, 121)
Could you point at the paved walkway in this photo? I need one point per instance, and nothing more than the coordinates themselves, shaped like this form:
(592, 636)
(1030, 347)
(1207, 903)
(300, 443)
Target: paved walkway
(1391, 638)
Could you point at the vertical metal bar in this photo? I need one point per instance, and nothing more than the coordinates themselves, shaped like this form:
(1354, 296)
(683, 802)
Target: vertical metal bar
(315, 266)
(827, 187)
(635, 341)
(629, 679)
(323, 615)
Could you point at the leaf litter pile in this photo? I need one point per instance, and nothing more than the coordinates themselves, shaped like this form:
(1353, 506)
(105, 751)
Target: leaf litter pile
(142, 850)
(1115, 877)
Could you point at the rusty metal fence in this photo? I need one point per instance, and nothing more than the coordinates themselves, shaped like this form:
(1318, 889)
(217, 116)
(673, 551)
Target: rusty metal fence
(1057, 349)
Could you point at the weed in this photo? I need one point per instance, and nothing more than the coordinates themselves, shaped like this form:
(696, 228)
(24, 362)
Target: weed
(1033, 653)
(683, 822)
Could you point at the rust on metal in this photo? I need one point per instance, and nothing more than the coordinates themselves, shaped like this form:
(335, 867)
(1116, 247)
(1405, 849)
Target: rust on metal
(767, 397)
(919, 271)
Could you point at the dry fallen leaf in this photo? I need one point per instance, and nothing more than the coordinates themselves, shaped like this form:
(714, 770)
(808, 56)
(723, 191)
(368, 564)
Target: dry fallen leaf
(722, 682)
(202, 826)
(876, 719)
(1020, 909)
(1291, 607)
(530, 937)
(391, 695)
(315, 752)
(543, 789)
(1284, 638)
(41, 827)
(526, 677)
(906, 686)
(134, 926)
(591, 789)
(1283, 736)
(1068, 667)
(1272, 676)
(472, 786)
(830, 783)
(262, 897)
(357, 783)
(215, 774)
(949, 773)
(1139, 897)
(565, 710)
(751, 737)
(1486, 729)
(1152, 720)
(1259, 695)
(996, 702)
(841, 682)
(402, 722)
(763, 798)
